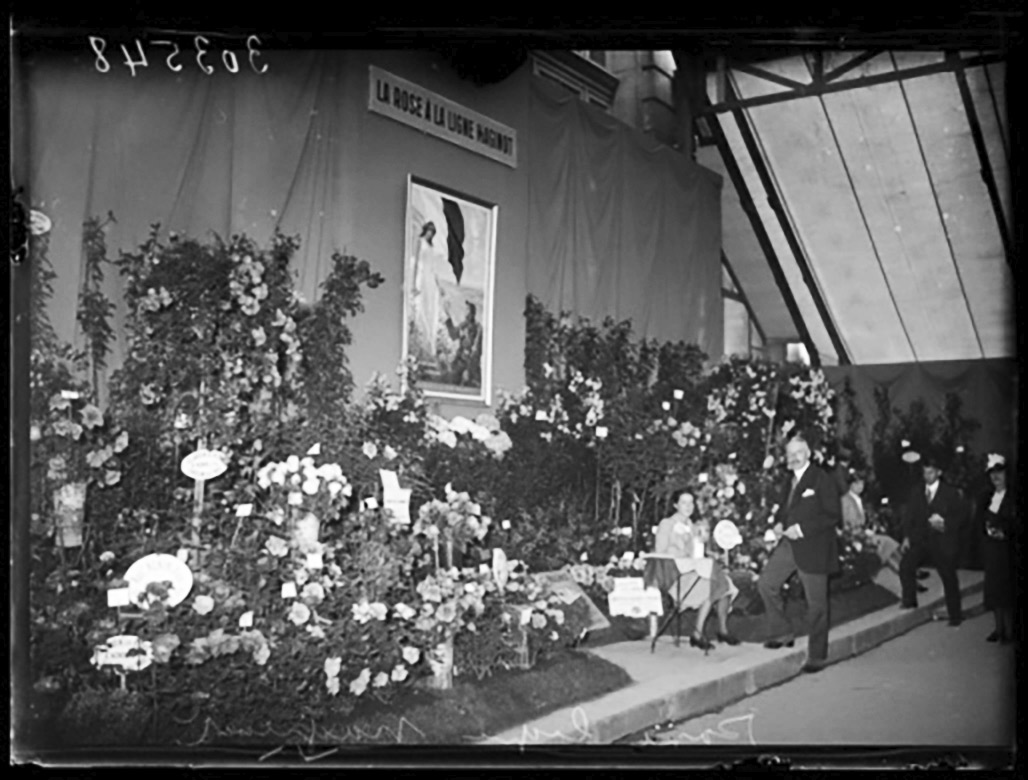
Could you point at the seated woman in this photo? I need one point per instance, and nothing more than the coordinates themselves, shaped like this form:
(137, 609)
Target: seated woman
(675, 537)
(855, 519)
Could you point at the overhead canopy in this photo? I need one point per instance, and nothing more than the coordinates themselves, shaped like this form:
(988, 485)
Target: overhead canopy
(893, 192)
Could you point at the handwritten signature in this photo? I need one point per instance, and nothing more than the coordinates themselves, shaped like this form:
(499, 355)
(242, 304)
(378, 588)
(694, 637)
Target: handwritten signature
(708, 736)
(530, 735)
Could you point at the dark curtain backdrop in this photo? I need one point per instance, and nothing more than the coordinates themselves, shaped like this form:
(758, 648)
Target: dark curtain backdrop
(987, 389)
(620, 225)
(596, 218)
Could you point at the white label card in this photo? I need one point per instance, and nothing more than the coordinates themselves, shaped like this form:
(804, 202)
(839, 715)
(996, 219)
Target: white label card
(289, 590)
(118, 597)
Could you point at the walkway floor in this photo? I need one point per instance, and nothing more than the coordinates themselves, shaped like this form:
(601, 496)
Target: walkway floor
(676, 683)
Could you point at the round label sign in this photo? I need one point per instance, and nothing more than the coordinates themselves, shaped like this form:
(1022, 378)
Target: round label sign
(204, 464)
(726, 534)
(159, 567)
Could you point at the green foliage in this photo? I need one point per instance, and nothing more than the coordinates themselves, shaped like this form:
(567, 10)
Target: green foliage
(94, 308)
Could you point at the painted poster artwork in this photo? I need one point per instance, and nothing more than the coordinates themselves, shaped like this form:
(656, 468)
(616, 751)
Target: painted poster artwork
(448, 290)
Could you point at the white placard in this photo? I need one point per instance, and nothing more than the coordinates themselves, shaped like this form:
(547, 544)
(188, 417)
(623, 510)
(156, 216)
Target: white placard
(116, 652)
(70, 395)
(119, 597)
(726, 534)
(246, 620)
(390, 482)
(204, 464)
(183, 554)
(244, 510)
(500, 569)
(314, 561)
(628, 585)
(431, 113)
(540, 415)
(371, 503)
(697, 548)
(160, 567)
(399, 506)
(636, 603)
(289, 590)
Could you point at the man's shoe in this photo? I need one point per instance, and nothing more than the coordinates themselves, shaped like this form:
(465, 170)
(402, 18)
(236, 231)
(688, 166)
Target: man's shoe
(776, 644)
(728, 639)
(813, 667)
(922, 589)
(907, 605)
(923, 575)
(955, 622)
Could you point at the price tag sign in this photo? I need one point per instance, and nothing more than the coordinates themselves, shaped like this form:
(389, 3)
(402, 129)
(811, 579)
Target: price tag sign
(244, 510)
(371, 503)
(118, 597)
(289, 590)
(204, 464)
(399, 506)
(635, 604)
(314, 561)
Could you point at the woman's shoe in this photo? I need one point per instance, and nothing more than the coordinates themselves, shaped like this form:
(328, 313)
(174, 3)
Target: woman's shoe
(701, 642)
(727, 638)
(993, 637)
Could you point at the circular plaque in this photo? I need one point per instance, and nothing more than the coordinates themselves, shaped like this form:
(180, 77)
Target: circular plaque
(159, 567)
(726, 534)
(204, 464)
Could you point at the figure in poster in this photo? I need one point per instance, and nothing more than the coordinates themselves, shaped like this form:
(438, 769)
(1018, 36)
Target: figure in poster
(425, 292)
(467, 365)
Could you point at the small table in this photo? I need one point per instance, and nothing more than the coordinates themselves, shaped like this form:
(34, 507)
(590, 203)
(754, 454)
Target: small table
(663, 570)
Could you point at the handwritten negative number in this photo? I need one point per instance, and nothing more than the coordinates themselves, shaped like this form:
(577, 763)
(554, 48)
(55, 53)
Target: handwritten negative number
(249, 45)
(199, 55)
(228, 57)
(99, 45)
(175, 68)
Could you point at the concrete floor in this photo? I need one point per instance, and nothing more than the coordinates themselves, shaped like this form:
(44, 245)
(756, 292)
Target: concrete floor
(935, 685)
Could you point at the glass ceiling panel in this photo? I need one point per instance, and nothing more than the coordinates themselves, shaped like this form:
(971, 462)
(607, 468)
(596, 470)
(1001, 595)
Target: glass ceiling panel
(970, 220)
(895, 194)
(804, 301)
(812, 177)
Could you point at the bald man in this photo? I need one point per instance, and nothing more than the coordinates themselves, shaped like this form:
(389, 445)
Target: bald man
(807, 515)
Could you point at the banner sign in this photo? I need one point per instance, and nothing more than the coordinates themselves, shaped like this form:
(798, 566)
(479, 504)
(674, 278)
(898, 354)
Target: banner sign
(431, 113)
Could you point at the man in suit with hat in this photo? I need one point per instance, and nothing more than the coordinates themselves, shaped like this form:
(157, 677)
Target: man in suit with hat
(808, 513)
(932, 518)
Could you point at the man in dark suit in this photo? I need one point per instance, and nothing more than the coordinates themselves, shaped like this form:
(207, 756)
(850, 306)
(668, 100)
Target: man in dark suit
(932, 519)
(808, 513)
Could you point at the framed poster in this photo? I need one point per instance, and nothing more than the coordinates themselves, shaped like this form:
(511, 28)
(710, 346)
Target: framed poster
(450, 254)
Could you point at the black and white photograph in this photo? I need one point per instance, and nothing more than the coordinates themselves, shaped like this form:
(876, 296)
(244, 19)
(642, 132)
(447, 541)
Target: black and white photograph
(643, 386)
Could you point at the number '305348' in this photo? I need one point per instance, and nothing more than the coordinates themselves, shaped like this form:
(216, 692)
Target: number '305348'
(200, 53)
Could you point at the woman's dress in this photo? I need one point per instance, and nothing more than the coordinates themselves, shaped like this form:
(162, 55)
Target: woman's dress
(998, 526)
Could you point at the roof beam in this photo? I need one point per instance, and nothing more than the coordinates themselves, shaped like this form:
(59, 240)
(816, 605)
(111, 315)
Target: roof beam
(853, 62)
(733, 104)
(983, 155)
(773, 199)
(767, 75)
(748, 206)
(743, 296)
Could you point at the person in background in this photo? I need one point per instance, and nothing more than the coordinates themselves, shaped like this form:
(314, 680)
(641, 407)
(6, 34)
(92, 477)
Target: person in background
(932, 518)
(806, 521)
(675, 537)
(842, 471)
(853, 515)
(996, 518)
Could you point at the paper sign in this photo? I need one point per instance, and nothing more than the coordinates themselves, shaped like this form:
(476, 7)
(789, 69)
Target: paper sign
(183, 555)
(399, 506)
(601, 432)
(540, 415)
(628, 584)
(246, 620)
(390, 482)
(128, 652)
(159, 567)
(70, 395)
(204, 464)
(563, 583)
(371, 503)
(500, 568)
(314, 561)
(289, 590)
(244, 510)
(679, 395)
(315, 450)
(118, 597)
(636, 604)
